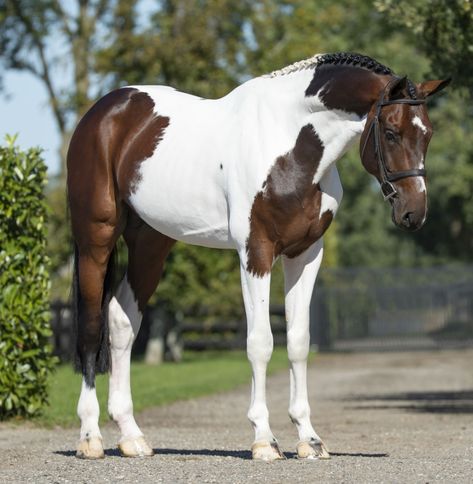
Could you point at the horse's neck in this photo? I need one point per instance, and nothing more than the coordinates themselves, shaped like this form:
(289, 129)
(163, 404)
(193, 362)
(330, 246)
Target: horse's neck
(338, 131)
(337, 128)
(287, 110)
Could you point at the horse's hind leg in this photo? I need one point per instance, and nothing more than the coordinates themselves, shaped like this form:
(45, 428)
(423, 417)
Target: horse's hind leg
(147, 250)
(299, 275)
(93, 251)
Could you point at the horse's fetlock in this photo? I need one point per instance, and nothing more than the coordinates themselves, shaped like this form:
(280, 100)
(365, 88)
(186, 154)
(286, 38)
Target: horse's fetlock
(257, 413)
(299, 412)
(119, 407)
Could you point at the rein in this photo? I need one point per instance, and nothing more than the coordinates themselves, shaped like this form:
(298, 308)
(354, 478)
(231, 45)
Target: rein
(387, 188)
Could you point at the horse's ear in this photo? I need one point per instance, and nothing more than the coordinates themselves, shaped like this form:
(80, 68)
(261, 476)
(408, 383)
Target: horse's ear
(428, 88)
(395, 87)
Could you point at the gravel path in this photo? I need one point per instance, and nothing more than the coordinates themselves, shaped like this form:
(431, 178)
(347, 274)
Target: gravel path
(392, 417)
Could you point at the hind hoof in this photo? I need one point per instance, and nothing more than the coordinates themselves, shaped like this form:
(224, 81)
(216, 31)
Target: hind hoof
(312, 450)
(135, 448)
(91, 448)
(266, 451)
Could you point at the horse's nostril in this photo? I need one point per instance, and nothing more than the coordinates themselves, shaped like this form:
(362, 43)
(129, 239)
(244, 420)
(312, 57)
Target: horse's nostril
(407, 219)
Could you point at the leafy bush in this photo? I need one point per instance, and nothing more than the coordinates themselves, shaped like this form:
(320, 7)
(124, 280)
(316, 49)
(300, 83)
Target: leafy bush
(25, 355)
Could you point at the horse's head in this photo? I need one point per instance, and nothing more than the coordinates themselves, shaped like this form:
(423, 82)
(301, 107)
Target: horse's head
(393, 147)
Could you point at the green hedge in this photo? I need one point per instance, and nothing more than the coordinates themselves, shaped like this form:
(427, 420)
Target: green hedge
(25, 355)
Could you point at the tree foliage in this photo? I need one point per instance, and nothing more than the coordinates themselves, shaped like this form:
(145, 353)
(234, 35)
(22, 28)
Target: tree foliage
(444, 31)
(26, 361)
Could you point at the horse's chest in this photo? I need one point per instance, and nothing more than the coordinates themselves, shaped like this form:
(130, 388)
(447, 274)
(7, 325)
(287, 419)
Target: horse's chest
(284, 224)
(306, 225)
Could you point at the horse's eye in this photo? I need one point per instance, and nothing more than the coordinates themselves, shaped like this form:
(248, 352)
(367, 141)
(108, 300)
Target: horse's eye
(390, 135)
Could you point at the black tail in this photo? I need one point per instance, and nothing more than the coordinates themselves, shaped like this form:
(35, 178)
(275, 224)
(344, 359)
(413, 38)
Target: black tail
(102, 362)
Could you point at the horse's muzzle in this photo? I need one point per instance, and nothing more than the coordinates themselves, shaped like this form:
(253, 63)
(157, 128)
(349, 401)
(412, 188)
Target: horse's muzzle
(409, 219)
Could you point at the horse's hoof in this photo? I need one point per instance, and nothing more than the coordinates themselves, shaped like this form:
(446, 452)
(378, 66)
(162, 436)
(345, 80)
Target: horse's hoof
(312, 450)
(135, 448)
(91, 448)
(266, 451)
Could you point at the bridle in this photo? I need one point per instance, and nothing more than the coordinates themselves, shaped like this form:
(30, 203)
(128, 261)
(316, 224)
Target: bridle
(387, 188)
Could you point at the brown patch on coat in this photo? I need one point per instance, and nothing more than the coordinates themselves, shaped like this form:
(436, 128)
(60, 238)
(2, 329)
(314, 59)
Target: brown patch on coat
(147, 252)
(348, 88)
(285, 217)
(119, 132)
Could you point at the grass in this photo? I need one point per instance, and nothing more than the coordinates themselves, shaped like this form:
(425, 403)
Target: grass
(198, 374)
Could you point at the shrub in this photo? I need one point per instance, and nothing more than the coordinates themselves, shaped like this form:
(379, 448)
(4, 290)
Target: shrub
(25, 354)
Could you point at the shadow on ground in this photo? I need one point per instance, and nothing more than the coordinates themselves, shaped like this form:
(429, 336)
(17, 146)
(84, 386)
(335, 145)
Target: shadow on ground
(449, 402)
(238, 454)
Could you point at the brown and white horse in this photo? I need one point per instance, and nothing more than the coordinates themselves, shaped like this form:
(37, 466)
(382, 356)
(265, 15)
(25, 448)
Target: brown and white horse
(253, 171)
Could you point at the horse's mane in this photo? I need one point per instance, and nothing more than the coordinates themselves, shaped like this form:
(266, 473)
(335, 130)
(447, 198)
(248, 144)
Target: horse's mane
(340, 58)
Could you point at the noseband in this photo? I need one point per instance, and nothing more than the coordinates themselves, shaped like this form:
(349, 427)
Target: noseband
(387, 188)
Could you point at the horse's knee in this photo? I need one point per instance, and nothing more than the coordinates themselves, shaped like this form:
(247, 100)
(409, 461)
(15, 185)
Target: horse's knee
(298, 343)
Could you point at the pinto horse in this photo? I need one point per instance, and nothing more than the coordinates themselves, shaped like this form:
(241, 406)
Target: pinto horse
(253, 171)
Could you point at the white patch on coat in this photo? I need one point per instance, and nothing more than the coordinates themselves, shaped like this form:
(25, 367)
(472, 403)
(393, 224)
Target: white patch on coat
(420, 184)
(332, 191)
(338, 130)
(416, 121)
(422, 162)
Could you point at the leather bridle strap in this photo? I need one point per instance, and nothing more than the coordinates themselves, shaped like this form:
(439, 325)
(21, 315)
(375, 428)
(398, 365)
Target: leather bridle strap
(387, 177)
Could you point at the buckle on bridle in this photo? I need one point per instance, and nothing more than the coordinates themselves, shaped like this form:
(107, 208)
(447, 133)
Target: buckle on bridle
(388, 190)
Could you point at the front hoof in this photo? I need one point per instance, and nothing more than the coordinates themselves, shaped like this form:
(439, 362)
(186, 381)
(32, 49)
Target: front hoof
(135, 448)
(266, 451)
(312, 450)
(90, 448)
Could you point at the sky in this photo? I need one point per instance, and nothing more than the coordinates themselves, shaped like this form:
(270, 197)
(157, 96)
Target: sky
(24, 110)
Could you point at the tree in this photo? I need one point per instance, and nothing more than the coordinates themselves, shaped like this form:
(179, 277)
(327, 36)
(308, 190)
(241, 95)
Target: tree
(443, 30)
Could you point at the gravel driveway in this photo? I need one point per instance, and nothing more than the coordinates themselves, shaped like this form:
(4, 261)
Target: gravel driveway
(392, 417)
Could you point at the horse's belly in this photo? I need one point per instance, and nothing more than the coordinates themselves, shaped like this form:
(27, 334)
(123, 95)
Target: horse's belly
(188, 208)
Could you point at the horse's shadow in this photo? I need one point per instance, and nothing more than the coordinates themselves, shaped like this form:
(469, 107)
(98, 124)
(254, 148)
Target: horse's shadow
(446, 402)
(236, 454)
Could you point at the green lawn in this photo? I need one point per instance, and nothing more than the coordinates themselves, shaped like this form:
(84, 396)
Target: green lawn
(198, 374)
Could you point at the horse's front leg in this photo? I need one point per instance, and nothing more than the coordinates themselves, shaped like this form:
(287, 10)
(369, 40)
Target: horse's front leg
(259, 348)
(299, 274)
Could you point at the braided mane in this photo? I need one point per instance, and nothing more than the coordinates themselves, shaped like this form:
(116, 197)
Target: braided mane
(339, 58)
